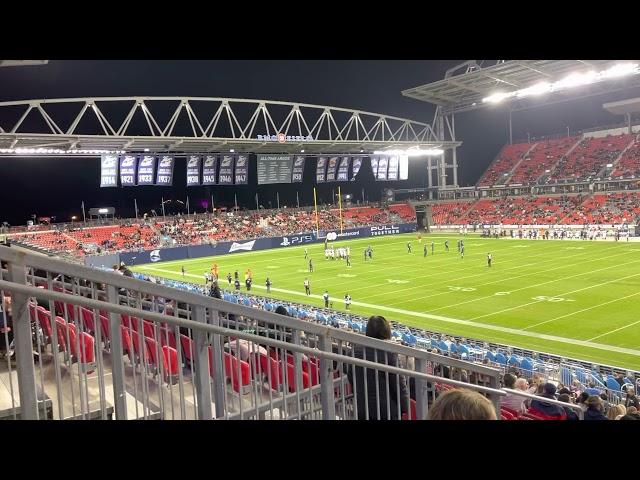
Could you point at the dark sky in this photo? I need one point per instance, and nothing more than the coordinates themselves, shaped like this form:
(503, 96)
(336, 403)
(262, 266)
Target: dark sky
(54, 186)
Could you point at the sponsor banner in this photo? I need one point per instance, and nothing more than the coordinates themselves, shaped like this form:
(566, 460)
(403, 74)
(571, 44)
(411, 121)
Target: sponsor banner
(332, 168)
(102, 261)
(164, 175)
(320, 169)
(357, 163)
(128, 170)
(293, 240)
(374, 166)
(404, 167)
(224, 248)
(298, 168)
(109, 170)
(242, 169)
(193, 170)
(393, 168)
(371, 231)
(225, 176)
(383, 164)
(154, 256)
(274, 169)
(209, 169)
(146, 169)
(343, 170)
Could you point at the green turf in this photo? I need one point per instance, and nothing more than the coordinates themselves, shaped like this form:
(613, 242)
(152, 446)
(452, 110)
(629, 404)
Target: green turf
(571, 298)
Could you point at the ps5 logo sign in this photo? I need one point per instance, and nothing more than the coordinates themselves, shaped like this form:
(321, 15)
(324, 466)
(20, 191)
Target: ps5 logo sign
(154, 256)
(296, 240)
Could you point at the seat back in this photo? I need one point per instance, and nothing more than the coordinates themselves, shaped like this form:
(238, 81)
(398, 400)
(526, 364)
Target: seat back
(45, 321)
(61, 330)
(87, 318)
(187, 347)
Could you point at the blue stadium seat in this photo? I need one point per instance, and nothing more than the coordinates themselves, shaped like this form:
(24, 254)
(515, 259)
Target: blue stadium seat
(463, 349)
(453, 348)
(581, 375)
(612, 384)
(566, 377)
(513, 360)
(268, 307)
(501, 359)
(247, 302)
(598, 376)
(490, 355)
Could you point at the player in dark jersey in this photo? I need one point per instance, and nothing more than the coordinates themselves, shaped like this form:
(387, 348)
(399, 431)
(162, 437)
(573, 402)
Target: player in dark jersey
(307, 286)
(425, 250)
(310, 265)
(489, 259)
(408, 247)
(446, 245)
(182, 272)
(229, 278)
(433, 246)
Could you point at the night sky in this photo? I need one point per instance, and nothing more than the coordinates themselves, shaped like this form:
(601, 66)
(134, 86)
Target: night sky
(57, 186)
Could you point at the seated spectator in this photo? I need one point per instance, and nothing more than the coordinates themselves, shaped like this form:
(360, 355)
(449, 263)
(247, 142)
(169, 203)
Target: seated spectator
(595, 409)
(547, 410)
(631, 399)
(571, 413)
(631, 416)
(372, 400)
(462, 404)
(616, 412)
(512, 401)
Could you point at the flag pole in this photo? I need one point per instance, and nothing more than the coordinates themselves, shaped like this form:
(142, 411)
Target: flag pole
(297, 199)
(213, 210)
(340, 204)
(235, 199)
(315, 205)
(188, 211)
(164, 217)
(135, 204)
(84, 216)
(278, 199)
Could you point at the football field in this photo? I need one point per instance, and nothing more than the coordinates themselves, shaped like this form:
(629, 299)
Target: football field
(574, 298)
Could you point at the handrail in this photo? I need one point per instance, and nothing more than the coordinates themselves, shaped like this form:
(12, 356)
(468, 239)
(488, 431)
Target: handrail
(213, 329)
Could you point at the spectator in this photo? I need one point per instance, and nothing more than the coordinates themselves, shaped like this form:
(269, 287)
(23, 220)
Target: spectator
(547, 410)
(631, 416)
(631, 399)
(571, 413)
(615, 412)
(374, 403)
(461, 404)
(594, 409)
(512, 401)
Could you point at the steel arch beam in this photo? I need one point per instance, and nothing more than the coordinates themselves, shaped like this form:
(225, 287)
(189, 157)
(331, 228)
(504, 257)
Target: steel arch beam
(40, 122)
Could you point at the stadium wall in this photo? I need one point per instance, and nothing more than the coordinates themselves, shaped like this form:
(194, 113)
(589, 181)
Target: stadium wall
(224, 248)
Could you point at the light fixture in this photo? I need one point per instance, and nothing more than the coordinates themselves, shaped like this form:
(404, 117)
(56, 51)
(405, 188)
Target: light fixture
(49, 151)
(103, 210)
(302, 151)
(232, 150)
(573, 80)
(146, 149)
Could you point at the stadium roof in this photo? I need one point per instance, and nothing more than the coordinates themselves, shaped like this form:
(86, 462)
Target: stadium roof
(632, 105)
(183, 125)
(465, 91)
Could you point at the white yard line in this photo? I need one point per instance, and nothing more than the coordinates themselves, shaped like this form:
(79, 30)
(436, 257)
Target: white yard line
(613, 331)
(513, 331)
(583, 310)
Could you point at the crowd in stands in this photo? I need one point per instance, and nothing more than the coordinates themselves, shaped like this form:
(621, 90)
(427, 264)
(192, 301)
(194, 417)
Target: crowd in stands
(609, 208)
(205, 229)
(565, 159)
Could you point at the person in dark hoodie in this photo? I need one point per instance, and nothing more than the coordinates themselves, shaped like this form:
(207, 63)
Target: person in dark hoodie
(595, 410)
(546, 410)
(571, 413)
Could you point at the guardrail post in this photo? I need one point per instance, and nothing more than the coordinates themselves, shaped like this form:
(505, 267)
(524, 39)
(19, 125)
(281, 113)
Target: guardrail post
(23, 344)
(327, 399)
(201, 367)
(218, 370)
(495, 399)
(117, 354)
(422, 397)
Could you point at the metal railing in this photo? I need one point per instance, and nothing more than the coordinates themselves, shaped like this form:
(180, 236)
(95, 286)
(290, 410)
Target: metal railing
(95, 344)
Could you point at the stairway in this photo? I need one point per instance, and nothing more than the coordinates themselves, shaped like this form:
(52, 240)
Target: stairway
(512, 171)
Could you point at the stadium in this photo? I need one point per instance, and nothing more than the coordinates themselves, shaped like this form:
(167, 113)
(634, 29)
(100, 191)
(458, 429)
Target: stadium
(326, 263)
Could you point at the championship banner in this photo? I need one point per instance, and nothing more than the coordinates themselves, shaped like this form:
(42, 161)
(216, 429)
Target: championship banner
(393, 168)
(383, 164)
(357, 163)
(343, 170)
(242, 169)
(226, 170)
(209, 170)
(404, 167)
(108, 170)
(128, 170)
(298, 169)
(146, 169)
(193, 170)
(332, 168)
(374, 166)
(164, 175)
(320, 169)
